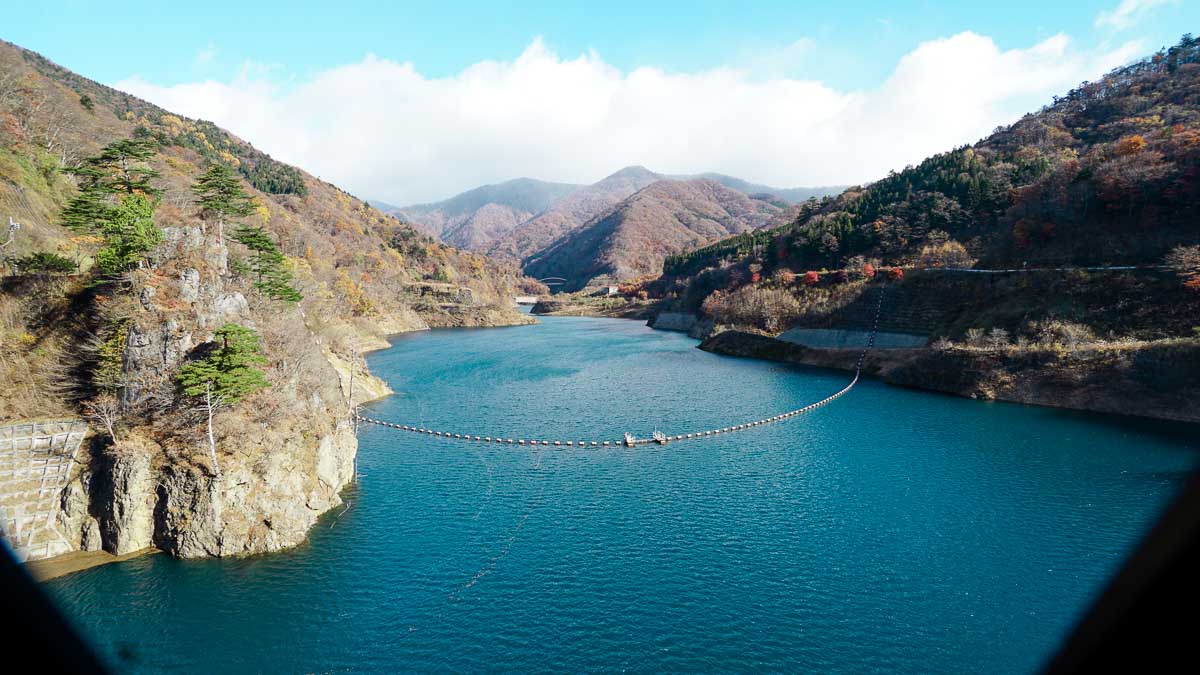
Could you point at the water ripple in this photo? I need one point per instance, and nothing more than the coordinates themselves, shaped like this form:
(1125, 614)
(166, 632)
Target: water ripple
(891, 531)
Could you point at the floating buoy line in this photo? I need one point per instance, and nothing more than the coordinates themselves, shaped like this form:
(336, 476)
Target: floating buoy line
(629, 440)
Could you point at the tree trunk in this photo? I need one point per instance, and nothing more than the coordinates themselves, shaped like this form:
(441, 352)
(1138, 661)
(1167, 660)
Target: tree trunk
(212, 441)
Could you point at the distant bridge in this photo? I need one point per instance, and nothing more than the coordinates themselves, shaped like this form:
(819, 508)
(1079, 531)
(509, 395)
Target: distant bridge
(629, 440)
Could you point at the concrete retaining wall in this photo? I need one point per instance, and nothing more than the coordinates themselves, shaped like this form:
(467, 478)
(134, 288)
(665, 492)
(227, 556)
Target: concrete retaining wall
(36, 460)
(680, 321)
(830, 338)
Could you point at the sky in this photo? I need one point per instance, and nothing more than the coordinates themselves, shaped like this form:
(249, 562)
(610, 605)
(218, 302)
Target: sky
(412, 102)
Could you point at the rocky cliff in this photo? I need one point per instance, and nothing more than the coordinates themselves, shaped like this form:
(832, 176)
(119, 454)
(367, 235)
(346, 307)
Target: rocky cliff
(284, 453)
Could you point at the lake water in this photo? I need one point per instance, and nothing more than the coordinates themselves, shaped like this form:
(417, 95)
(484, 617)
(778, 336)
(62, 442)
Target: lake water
(892, 530)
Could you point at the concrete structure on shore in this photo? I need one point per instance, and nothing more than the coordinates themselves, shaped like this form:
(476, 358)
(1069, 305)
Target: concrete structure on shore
(36, 461)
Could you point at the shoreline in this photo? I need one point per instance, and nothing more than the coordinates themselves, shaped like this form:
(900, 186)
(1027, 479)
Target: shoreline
(1104, 381)
(77, 561)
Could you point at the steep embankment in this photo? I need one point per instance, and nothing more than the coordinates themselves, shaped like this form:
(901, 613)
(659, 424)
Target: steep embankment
(111, 346)
(634, 237)
(1106, 176)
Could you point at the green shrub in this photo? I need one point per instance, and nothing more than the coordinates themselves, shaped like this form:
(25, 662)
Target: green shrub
(44, 262)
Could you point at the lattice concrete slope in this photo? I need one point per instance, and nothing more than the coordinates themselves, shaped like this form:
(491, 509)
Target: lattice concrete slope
(36, 460)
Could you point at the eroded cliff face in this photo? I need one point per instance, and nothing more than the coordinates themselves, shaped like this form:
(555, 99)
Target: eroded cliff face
(271, 490)
(265, 500)
(282, 458)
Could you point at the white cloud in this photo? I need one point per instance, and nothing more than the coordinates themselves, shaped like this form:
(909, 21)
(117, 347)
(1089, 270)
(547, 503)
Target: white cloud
(1127, 13)
(382, 130)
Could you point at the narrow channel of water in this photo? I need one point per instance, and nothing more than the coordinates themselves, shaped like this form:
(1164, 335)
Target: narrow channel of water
(892, 530)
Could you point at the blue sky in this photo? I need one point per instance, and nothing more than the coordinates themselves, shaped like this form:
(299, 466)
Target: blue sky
(414, 101)
(177, 42)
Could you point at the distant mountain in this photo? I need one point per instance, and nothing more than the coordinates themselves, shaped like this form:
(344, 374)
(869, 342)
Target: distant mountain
(790, 195)
(475, 218)
(384, 206)
(667, 217)
(517, 219)
(570, 212)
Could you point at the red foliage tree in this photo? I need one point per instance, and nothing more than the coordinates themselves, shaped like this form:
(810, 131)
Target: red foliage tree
(869, 271)
(896, 273)
(811, 278)
(755, 277)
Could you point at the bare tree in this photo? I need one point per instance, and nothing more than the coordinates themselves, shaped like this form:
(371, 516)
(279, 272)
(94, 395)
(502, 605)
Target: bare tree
(105, 410)
(210, 404)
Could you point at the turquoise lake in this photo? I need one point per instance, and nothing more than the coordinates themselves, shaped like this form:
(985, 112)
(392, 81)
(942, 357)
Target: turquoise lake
(893, 530)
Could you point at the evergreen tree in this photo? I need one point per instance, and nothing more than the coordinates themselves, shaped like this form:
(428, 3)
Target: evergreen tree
(44, 263)
(267, 264)
(119, 169)
(229, 368)
(225, 376)
(129, 234)
(116, 201)
(87, 210)
(219, 193)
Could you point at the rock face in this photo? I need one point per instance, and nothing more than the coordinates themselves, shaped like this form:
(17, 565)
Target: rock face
(677, 321)
(126, 499)
(255, 506)
(152, 351)
(270, 492)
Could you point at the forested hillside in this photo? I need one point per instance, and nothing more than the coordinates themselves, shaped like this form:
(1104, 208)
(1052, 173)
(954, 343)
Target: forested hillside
(998, 270)
(177, 287)
(1105, 175)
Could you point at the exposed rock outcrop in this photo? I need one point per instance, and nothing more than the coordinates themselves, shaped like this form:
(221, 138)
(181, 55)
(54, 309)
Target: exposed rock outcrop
(125, 497)
(264, 501)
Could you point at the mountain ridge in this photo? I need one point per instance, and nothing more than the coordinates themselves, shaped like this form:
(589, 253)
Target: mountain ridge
(632, 239)
(502, 221)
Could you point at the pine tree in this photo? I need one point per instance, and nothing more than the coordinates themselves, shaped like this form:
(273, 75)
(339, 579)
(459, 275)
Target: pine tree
(267, 263)
(129, 234)
(118, 170)
(219, 193)
(225, 376)
(116, 200)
